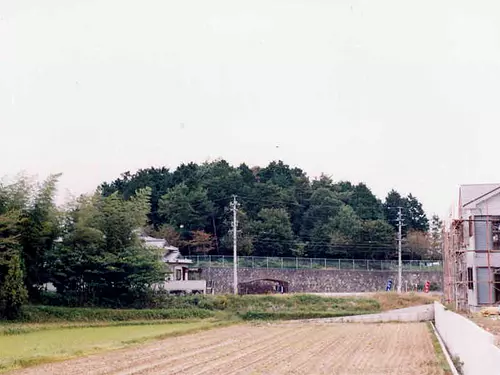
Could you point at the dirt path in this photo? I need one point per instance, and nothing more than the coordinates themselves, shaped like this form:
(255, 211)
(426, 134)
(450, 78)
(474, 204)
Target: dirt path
(343, 349)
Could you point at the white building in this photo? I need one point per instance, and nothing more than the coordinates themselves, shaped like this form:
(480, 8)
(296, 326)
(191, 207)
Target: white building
(182, 278)
(472, 248)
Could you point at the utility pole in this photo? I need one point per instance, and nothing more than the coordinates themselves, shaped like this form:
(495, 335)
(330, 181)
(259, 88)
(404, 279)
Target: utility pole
(400, 240)
(234, 207)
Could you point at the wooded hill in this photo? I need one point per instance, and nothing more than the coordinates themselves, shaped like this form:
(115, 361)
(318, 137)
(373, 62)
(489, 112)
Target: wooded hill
(282, 212)
(89, 249)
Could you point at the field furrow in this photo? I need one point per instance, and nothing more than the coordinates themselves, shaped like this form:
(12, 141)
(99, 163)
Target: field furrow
(341, 349)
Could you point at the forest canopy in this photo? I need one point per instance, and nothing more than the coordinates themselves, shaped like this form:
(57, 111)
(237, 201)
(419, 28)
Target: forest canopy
(282, 212)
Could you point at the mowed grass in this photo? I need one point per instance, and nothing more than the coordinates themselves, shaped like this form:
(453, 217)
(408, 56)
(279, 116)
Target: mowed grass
(300, 306)
(306, 306)
(48, 345)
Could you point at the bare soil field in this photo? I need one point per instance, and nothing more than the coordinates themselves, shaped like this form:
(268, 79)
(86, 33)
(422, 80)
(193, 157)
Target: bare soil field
(342, 349)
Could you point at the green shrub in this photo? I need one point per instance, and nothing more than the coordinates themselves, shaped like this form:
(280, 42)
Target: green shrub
(12, 291)
(42, 314)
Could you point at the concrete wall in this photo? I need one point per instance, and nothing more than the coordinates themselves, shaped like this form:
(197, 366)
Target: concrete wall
(481, 260)
(491, 206)
(318, 281)
(473, 345)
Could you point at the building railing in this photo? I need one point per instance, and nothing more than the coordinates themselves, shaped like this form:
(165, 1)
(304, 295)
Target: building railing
(314, 263)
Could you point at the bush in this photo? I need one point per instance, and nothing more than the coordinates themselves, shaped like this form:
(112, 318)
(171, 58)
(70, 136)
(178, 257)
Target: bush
(42, 314)
(12, 291)
(145, 300)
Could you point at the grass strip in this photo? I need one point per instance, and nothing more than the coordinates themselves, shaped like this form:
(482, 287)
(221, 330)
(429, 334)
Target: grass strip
(47, 314)
(440, 356)
(56, 345)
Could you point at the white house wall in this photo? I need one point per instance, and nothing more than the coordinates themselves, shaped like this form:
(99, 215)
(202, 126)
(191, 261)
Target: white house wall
(471, 259)
(490, 207)
(480, 234)
(481, 259)
(472, 294)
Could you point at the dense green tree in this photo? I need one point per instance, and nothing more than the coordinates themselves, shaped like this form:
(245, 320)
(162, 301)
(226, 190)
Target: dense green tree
(190, 208)
(265, 195)
(221, 182)
(413, 214)
(417, 219)
(377, 232)
(323, 181)
(346, 226)
(344, 191)
(12, 290)
(279, 174)
(324, 205)
(244, 235)
(13, 294)
(272, 232)
(118, 218)
(100, 259)
(365, 204)
(377, 239)
(188, 174)
(38, 229)
(247, 175)
(390, 207)
(318, 242)
(436, 238)
(337, 235)
(159, 180)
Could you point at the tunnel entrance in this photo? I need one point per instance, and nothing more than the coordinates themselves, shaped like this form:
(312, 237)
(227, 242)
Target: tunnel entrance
(263, 286)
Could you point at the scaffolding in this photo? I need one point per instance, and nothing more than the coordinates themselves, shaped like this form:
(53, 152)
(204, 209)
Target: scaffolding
(471, 260)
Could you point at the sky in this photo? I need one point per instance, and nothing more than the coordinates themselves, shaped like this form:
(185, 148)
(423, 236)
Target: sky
(394, 93)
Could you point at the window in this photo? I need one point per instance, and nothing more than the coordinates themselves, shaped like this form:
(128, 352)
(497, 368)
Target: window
(495, 234)
(178, 274)
(471, 226)
(470, 278)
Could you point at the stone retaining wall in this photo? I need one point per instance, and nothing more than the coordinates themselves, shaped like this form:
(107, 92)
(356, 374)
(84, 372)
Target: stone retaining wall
(318, 281)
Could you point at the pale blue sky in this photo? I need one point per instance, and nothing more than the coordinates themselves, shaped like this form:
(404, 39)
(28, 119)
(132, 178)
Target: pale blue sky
(395, 93)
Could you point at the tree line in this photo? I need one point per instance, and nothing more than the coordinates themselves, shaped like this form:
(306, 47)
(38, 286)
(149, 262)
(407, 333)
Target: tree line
(282, 212)
(90, 251)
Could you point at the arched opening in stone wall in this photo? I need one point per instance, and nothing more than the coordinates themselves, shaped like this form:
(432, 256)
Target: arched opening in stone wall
(263, 286)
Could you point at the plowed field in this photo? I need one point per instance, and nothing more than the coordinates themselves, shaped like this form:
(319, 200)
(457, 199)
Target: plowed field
(347, 349)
